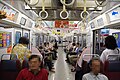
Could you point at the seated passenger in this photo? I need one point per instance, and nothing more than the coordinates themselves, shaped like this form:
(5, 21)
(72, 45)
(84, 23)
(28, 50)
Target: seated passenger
(70, 52)
(111, 48)
(95, 71)
(34, 72)
(73, 58)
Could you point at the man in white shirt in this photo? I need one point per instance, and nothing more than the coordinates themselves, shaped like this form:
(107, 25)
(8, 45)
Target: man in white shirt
(95, 71)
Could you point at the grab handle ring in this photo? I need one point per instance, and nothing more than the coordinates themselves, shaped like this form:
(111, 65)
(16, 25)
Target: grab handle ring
(46, 14)
(67, 14)
(43, 11)
(84, 12)
(64, 11)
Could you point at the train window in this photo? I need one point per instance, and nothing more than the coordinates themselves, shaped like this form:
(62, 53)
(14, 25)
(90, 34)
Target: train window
(18, 35)
(26, 35)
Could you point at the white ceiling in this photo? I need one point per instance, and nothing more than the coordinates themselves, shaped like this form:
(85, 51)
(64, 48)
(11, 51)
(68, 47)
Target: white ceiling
(54, 7)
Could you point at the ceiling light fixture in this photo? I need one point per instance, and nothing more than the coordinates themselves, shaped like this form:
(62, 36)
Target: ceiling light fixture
(32, 2)
(101, 3)
(72, 2)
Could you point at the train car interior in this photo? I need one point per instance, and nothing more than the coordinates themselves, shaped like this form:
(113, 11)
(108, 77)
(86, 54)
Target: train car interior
(67, 35)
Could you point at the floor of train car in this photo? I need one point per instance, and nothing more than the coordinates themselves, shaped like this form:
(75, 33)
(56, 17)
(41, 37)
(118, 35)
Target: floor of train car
(62, 69)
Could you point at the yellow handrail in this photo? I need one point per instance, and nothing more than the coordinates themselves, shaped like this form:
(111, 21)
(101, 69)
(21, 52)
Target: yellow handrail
(85, 6)
(43, 6)
(84, 11)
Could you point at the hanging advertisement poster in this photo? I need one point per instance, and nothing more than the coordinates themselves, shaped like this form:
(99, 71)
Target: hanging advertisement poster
(73, 24)
(10, 13)
(61, 24)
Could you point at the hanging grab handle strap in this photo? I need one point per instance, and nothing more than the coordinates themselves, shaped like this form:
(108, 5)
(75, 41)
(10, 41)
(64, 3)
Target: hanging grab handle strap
(43, 11)
(84, 11)
(64, 8)
(65, 11)
(85, 6)
(43, 5)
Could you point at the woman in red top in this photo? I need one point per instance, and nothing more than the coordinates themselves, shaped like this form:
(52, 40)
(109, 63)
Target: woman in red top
(34, 72)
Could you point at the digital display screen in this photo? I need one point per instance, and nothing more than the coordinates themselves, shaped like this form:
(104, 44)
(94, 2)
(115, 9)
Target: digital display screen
(104, 32)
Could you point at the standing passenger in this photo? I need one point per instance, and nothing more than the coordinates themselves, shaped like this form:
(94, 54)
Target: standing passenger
(79, 71)
(34, 72)
(21, 49)
(111, 48)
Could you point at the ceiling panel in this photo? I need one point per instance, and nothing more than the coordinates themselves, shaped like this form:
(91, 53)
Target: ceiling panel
(54, 7)
(47, 3)
(89, 3)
